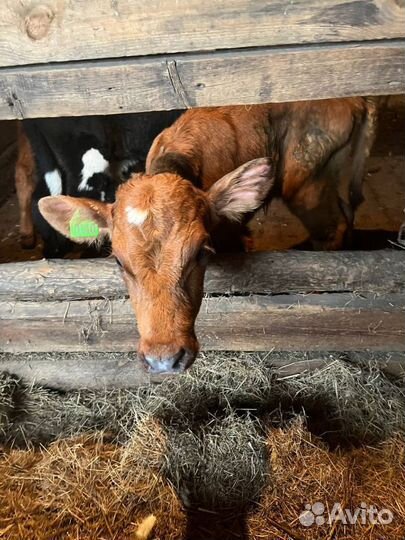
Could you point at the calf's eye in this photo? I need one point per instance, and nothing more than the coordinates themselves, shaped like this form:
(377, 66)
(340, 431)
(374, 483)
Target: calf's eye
(204, 254)
(118, 262)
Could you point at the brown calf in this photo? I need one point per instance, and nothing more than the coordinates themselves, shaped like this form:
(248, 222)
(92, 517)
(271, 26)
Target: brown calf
(25, 185)
(161, 224)
(319, 150)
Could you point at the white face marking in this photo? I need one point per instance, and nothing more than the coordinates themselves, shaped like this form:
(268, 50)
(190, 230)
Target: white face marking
(53, 180)
(93, 163)
(102, 196)
(136, 216)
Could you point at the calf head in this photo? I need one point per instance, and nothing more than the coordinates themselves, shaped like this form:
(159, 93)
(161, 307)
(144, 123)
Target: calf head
(160, 228)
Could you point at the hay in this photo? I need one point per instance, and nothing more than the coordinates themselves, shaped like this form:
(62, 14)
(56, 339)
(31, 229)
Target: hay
(230, 436)
(32, 415)
(86, 488)
(90, 489)
(219, 466)
(214, 383)
(304, 471)
(345, 403)
(348, 404)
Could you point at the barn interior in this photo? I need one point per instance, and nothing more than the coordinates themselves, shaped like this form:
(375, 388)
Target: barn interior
(377, 223)
(244, 445)
(290, 424)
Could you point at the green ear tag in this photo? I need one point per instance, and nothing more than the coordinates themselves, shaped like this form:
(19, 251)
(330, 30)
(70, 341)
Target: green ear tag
(82, 228)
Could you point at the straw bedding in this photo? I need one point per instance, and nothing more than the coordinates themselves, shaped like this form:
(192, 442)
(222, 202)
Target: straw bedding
(229, 438)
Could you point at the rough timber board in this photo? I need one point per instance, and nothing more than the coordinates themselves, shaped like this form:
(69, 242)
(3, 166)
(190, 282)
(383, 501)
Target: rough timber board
(261, 273)
(73, 371)
(83, 30)
(250, 323)
(208, 79)
(288, 301)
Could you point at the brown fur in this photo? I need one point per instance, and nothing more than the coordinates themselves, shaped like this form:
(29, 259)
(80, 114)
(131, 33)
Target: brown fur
(164, 257)
(307, 145)
(157, 256)
(25, 185)
(316, 145)
(215, 140)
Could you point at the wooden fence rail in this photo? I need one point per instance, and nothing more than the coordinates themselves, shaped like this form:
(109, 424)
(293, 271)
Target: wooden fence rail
(201, 80)
(287, 301)
(77, 58)
(32, 32)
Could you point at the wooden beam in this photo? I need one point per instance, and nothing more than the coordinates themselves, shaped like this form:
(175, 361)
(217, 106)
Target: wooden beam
(98, 371)
(56, 31)
(332, 322)
(207, 79)
(72, 372)
(288, 301)
(261, 273)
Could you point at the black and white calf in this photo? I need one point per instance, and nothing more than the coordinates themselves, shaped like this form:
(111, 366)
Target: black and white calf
(87, 157)
(72, 158)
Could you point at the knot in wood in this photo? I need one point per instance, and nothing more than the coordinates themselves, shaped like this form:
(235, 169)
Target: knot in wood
(38, 21)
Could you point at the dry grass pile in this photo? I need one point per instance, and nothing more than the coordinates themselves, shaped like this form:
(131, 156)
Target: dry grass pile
(32, 415)
(305, 472)
(214, 383)
(221, 465)
(347, 403)
(90, 489)
(223, 437)
(344, 402)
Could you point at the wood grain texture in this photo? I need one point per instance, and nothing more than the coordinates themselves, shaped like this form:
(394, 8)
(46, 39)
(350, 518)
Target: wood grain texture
(288, 301)
(261, 273)
(336, 322)
(61, 30)
(207, 79)
(98, 371)
(72, 372)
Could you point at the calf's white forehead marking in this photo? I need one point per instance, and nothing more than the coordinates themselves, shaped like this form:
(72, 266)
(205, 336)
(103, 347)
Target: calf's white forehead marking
(53, 180)
(93, 163)
(136, 216)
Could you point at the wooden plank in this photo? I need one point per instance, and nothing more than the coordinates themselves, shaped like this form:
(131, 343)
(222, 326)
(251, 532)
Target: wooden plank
(217, 78)
(269, 273)
(72, 372)
(290, 364)
(252, 323)
(98, 371)
(31, 32)
(120, 310)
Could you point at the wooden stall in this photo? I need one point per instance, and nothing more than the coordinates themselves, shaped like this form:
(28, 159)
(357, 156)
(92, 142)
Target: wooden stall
(60, 57)
(294, 301)
(290, 301)
(75, 57)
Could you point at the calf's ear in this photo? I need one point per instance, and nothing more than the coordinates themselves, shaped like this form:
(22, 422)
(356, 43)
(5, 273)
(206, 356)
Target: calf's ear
(81, 220)
(243, 190)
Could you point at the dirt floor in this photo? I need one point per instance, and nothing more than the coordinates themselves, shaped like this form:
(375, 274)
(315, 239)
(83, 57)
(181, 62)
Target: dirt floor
(378, 218)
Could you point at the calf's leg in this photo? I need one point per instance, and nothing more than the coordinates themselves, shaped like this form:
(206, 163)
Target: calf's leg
(319, 207)
(25, 185)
